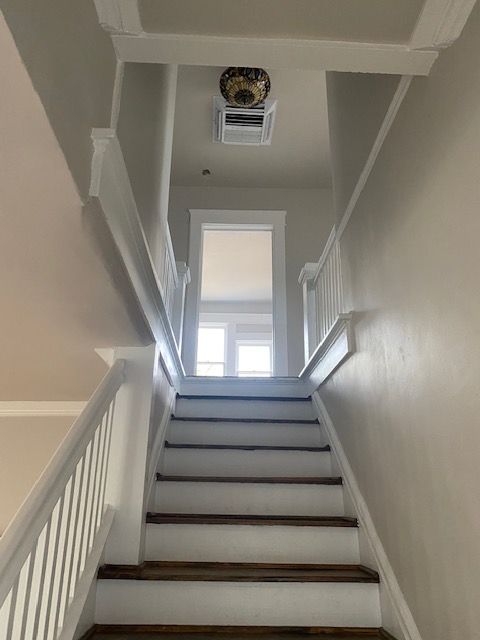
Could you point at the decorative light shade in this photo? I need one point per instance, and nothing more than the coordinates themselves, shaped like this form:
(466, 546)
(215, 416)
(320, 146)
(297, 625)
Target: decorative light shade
(244, 86)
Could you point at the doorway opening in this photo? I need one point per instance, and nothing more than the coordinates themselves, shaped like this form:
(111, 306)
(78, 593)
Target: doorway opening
(235, 328)
(236, 304)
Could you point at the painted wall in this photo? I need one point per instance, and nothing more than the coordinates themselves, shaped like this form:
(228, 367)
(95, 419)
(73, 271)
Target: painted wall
(71, 62)
(357, 103)
(145, 132)
(407, 405)
(309, 221)
(64, 291)
(27, 444)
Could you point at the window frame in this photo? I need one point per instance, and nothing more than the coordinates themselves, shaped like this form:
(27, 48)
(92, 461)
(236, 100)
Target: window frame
(253, 342)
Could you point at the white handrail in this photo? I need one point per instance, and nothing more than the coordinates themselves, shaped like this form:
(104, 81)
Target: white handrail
(52, 533)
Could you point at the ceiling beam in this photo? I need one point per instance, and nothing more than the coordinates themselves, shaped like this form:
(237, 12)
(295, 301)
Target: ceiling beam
(119, 16)
(274, 53)
(440, 23)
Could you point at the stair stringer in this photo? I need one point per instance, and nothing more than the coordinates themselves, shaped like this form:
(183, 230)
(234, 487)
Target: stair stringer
(396, 615)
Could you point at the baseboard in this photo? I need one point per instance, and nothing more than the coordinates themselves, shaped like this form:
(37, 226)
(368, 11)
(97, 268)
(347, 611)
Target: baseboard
(158, 442)
(387, 576)
(89, 634)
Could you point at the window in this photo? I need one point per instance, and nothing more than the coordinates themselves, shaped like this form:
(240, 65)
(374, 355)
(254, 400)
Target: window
(211, 351)
(254, 359)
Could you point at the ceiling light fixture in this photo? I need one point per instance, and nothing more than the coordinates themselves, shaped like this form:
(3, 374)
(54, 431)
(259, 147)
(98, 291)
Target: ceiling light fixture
(244, 87)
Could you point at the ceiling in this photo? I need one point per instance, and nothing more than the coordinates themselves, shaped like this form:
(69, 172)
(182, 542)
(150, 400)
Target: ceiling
(299, 156)
(356, 20)
(237, 266)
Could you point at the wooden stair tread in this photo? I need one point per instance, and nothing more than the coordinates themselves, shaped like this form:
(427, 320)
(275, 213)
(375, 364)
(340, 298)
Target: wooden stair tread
(264, 520)
(245, 398)
(205, 632)
(244, 447)
(238, 572)
(327, 480)
(247, 420)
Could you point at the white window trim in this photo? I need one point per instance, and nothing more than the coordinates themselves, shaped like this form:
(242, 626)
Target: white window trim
(274, 221)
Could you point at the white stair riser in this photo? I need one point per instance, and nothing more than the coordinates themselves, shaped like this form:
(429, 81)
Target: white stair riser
(227, 603)
(228, 462)
(273, 409)
(242, 543)
(252, 499)
(245, 433)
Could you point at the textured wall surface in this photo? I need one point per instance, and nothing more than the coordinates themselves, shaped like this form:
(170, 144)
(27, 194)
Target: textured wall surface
(407, 405)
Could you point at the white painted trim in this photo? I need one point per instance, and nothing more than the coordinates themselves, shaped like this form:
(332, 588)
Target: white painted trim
(158, 443)
(308, 272)
(89, 575)
(119, 16)
(110, 183)
(326, 250)
(274, 221)
(387, 575)
(286, 53)
(440, 23)
(390, 115)
(23, 531)
(259, 387)
(117, 94)
(37, 409)
(336, 347)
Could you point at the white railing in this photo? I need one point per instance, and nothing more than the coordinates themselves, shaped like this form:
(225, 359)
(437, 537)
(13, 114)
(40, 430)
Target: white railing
(322, 295)
(46, 549)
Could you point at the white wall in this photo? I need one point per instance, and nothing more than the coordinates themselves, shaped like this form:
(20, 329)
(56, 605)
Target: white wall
(26, 446)
(145, 132)
(357, 103)
(309, 221)
(407, 404)
(71, 62)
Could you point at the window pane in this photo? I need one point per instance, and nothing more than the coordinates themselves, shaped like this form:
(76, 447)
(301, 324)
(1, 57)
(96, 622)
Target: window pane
(254, 358)
(211, 344)
(209, 369)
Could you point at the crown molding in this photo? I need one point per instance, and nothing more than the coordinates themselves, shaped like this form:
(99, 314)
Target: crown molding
(440, 23)
(37, 409)
(119, 16)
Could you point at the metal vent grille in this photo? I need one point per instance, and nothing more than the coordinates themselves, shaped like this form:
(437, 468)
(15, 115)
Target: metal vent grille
(233, 125)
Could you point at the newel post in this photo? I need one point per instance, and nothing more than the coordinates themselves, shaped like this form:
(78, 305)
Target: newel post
(126, 480)
(307, 280)
(178, 311)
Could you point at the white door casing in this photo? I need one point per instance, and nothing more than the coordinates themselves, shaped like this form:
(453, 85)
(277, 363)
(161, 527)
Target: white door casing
(273, 221)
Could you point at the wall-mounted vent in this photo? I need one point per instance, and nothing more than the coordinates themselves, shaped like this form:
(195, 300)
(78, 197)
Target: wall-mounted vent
(233, 125)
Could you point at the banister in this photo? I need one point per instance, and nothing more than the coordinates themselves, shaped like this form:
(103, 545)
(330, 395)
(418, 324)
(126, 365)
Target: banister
(22, 533)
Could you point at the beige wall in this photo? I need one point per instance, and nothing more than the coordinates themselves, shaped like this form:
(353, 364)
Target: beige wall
(357, 104)
(309, 221)
(407, 405)
(26, 446)
(145, 132)
(72, 65)
(64, 292)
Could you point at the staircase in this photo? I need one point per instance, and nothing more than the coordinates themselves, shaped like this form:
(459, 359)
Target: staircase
(249, 535)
